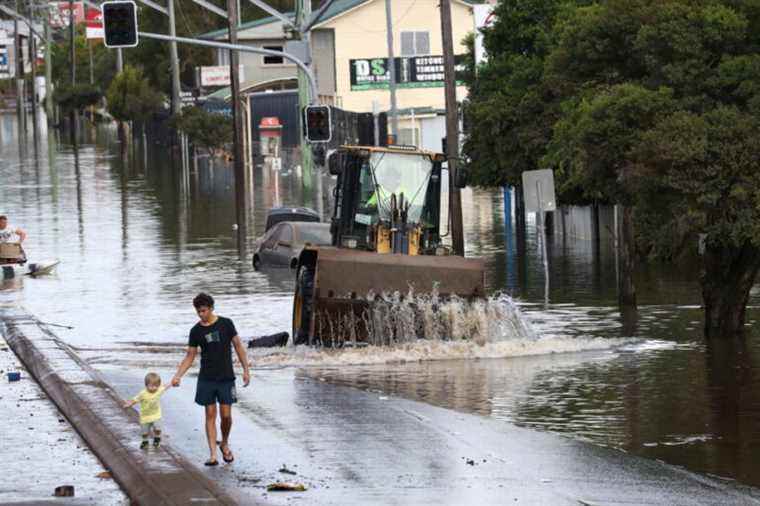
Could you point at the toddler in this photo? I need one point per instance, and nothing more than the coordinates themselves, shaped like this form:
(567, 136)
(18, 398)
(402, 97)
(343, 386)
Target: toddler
(150, 409)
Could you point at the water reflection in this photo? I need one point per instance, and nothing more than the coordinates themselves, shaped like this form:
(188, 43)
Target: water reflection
(138, 238)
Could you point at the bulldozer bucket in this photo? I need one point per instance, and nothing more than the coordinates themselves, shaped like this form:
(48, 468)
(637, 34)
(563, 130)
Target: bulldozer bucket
(347, 283)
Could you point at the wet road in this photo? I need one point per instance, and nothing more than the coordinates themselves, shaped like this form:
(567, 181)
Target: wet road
(350, 446)
(135, 249)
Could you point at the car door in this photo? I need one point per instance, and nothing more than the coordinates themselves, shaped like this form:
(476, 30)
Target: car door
(283, 246)
(267, 250)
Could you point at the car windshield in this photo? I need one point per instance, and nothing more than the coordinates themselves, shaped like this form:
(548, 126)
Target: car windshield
(317, 236)
(396, 174)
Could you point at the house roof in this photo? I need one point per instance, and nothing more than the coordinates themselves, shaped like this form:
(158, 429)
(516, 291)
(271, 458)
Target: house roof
(338, 7)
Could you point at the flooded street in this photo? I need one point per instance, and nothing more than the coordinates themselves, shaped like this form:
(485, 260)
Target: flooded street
(135, 248)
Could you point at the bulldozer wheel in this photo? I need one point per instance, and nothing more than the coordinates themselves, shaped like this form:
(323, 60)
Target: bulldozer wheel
(303, 303)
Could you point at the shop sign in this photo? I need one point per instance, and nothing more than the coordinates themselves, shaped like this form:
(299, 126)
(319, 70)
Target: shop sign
(411, 72)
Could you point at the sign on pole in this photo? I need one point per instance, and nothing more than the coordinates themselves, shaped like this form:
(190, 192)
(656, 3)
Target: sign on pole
(94, 24)
(538, 191)
(219, 75)
(59, 13)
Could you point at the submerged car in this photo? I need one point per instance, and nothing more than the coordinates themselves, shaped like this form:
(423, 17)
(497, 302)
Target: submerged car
(282, 244)
(279, 214)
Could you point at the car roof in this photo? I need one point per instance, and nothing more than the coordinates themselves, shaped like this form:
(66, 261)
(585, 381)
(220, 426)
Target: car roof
(276, 211)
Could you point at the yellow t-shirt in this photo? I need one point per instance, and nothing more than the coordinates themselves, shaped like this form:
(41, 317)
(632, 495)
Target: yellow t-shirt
(150, 405)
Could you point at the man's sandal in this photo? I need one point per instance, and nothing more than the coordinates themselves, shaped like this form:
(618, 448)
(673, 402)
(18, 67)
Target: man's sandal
(227, 456)
(211, 463)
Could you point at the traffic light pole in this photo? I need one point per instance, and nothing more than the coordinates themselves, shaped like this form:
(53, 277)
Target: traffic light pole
(241, 211)
(246, 49)
(176, 91)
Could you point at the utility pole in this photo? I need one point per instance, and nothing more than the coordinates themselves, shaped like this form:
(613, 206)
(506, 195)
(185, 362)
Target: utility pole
(48, 68)
(33, 61)
(237, 132)
(452, 129)
(176, 91)
(392, 65)
(73, 64)
(19, 60)
(303, 12)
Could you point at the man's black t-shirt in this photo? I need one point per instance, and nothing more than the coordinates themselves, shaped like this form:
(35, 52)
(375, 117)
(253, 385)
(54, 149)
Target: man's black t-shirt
(216, 348)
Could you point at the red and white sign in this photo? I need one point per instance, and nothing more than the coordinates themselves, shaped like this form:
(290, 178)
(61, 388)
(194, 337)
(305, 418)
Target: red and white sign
(94, 23)
(219, 75)
(59, 13)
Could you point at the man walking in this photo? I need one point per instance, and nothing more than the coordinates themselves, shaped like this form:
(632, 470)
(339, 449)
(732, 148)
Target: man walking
(215, 335)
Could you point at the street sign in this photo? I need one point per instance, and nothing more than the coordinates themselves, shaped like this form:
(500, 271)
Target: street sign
(219, 75)
(538, 191)
(94, 24)
(119, 24)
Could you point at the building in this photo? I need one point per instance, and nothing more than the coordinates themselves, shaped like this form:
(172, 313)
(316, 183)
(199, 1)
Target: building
(349, 51)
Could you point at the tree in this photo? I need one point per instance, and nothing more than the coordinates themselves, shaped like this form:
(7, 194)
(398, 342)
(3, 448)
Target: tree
(207, 130)
(653, 104)
(130, 97)
(77, 97)
(104, 61)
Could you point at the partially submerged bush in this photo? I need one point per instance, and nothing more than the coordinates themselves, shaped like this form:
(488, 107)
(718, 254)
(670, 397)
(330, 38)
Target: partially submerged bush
(207, 130)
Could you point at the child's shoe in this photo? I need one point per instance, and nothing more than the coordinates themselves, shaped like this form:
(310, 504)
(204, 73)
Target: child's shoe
(144, 444)
(156, 442)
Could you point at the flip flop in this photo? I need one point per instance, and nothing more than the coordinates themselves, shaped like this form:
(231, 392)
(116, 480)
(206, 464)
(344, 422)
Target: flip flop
(211, 463)
(226, 453)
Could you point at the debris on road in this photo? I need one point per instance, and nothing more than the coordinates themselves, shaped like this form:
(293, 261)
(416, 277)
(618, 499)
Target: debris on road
(285, 470)
(64, 491)
(285, 487)
(106, 475)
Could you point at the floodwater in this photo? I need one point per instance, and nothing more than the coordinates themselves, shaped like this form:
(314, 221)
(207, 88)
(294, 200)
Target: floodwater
(137, 241)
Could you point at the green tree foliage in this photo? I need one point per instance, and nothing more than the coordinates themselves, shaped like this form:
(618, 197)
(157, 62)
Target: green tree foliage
(131, 98)
(104, 60)
(650, 103)
(206, 130)
(77, 97)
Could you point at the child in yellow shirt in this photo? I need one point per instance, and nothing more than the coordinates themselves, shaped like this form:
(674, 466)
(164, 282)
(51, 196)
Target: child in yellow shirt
(150, 409)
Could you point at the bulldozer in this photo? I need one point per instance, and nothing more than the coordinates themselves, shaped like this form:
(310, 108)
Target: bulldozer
(386, 239)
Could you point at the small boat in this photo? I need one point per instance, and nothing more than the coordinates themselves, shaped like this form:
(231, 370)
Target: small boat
(34, 269)
(13, 263)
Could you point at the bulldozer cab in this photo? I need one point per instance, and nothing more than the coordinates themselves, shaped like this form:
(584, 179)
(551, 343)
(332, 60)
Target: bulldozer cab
(387, 200)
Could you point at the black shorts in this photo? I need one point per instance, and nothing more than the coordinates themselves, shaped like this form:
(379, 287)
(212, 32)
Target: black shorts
(210, 392)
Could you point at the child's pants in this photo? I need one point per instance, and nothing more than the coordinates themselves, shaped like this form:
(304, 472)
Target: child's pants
(154, 426)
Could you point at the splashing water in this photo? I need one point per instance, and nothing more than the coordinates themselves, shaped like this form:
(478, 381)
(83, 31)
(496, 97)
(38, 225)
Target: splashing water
(395, 319)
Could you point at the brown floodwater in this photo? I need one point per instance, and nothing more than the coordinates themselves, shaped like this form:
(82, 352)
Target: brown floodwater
(137, 239)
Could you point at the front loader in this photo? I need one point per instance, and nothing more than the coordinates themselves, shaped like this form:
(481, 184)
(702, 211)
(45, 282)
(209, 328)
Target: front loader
(386, 244)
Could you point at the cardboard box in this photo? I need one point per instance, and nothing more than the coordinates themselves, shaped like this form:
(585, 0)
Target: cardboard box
(10, 250)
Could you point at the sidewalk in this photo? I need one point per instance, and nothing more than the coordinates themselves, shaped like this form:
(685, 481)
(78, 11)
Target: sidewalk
(41, 450)
(156, 477)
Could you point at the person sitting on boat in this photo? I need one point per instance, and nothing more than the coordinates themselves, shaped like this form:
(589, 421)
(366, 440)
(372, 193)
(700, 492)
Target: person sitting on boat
(9, 233)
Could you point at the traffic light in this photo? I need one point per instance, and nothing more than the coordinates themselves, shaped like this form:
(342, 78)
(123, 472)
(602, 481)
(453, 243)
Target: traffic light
(119, 24)
(318, 123)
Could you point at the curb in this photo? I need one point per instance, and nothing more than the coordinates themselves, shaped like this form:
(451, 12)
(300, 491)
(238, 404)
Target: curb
(92, 407)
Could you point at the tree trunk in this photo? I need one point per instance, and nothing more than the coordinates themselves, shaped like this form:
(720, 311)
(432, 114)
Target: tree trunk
(727, 277)
(626, 256)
